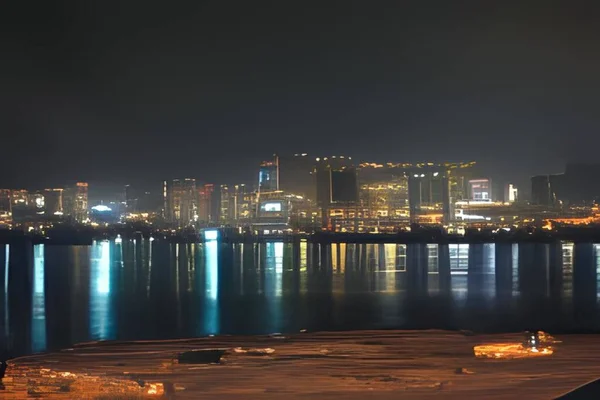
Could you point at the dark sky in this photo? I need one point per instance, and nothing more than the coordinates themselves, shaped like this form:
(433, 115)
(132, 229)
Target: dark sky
(144, 90)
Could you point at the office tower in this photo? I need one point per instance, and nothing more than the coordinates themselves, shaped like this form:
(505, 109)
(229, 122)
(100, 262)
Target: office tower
(295, 175)
(20, 197)
(180, 201)
(5, 201)
(53, 201)
(560, 189)
(146, 202)
(540, 190)
(268, 175)
(336, 181)
(131, 199)
(480, 189)
(429, 194)
(344, 186)
(241, 203)
(75, 201)
(225, 206)
(548, 190)
(205, 203)
(511, 194)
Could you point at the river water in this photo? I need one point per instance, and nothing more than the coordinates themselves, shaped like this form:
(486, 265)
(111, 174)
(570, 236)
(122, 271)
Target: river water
(54, 296)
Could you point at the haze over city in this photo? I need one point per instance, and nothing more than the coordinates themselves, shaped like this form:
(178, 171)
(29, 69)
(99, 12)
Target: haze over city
(131, 92)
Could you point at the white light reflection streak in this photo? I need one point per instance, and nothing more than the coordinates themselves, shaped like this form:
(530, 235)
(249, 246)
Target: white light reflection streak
(6, 266)
(211, 302)
(303, 285)
(100, 312)
(597, 250)
(38, 307)
(273, 282)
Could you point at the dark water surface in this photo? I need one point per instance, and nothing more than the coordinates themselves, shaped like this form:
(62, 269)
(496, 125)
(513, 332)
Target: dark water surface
(54, 296)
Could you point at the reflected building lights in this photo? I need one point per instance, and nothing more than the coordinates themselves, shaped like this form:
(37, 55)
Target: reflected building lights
(334, 256)
(273, 283)
(515, 269)
(567, 267)
(303, 255)
(211, 325)
(597, 252)
(38, 312)
(390, 251)
(101, 314)
(6, 266)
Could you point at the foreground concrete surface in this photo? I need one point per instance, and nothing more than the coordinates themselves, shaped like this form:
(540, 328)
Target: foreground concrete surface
(348, 365)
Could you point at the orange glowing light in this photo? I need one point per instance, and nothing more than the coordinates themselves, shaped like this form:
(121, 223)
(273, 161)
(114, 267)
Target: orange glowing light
(510, 350)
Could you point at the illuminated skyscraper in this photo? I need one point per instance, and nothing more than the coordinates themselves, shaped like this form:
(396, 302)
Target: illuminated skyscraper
(225, 205)
(480, 189)
(429, 194)
(5, 201)
(180, 201)
(131, 199)
(295, 175)
(205, 196)
(53, 201)
(75, 201)
(510, 193)
(336, 181)
(268, 175)
(20, 197)
(241, 203)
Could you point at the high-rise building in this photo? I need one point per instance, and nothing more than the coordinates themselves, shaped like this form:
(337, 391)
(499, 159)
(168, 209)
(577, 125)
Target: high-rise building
(386, 200)
(225, 205)
(540, 191)
(5, 201)
(131, 199)
(20, 197)
(180, 201)
(75, 201)
(241, 203)
(511, 194)
(429, 194)
(268, 175)
(205, 207)
(547, 190)
(480, 189)
(295, 175)
(336, 181)
(53, 201)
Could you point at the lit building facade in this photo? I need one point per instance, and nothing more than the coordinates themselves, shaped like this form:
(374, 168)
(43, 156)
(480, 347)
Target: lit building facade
(53, 201)
(480, 189)
(431, 188)
(337, 194)
(75, 201)
(5, 201)
(180, 201)
(429, 195)
(225, 205)
(385, 203)
(268, 175)
(511, 193)
(205, 203)
(296, 175)
(131, 199)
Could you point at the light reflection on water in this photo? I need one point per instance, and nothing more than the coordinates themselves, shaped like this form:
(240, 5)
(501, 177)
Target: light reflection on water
(102, 325)
(153, 290)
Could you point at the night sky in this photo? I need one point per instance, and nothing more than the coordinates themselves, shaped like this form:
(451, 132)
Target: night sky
(139, 91)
